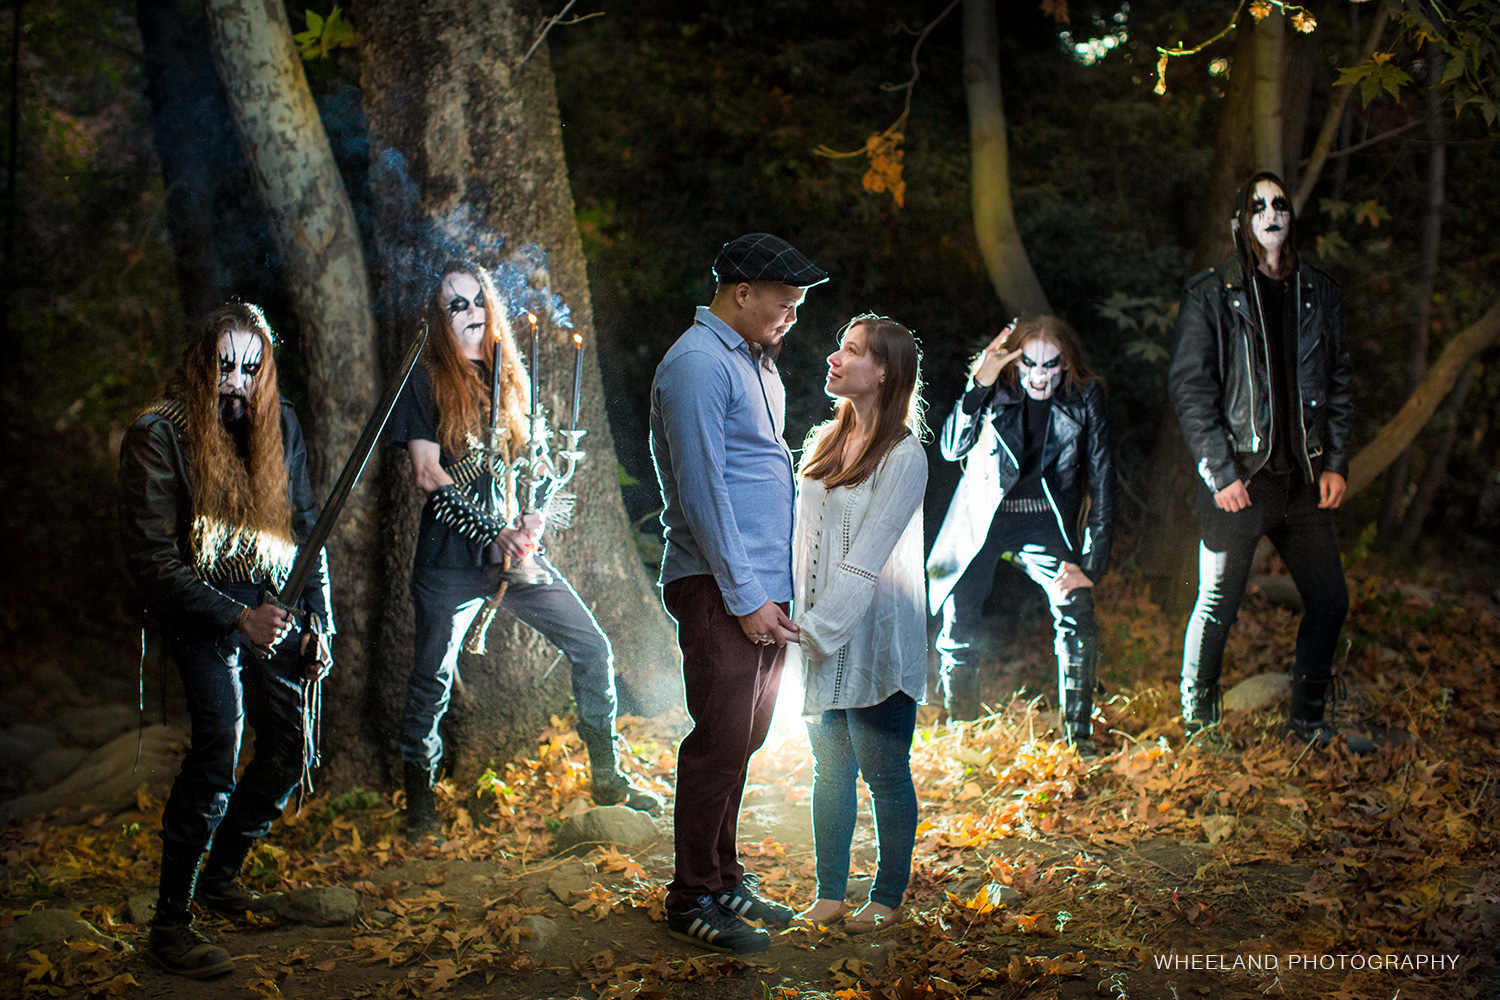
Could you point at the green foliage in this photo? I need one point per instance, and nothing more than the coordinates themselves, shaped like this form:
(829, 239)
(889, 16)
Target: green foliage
(355, 799)
(1374, 75)
(1469, 34)
(324, 35)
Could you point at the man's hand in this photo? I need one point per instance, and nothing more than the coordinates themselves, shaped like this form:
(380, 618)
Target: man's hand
(768, 624)
(317, 657)
(264, 626)
(532, 526)
(987, 366)
(1331, 489)
(1070, 577)
(1233, 497)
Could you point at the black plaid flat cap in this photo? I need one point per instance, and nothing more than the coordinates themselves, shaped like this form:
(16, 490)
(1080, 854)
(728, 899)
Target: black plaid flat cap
(763, 257)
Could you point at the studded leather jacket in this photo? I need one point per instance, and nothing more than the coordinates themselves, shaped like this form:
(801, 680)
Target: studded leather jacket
(156, 517)
(1220, 378)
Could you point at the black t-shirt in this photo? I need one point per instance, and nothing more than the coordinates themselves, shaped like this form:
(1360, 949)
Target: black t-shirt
(1036, 415)
(415, 418)
(1273, 302)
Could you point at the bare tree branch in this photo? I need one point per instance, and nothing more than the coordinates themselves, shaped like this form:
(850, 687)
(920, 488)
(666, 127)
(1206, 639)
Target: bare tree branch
(552, 22)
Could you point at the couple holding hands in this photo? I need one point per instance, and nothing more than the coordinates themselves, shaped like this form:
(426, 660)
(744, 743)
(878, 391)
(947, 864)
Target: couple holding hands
(751, 533)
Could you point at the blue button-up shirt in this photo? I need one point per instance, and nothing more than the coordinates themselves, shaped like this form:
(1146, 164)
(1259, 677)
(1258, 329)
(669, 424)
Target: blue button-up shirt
(717, 419)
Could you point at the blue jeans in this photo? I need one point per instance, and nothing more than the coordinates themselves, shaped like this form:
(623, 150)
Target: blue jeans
(877, 741)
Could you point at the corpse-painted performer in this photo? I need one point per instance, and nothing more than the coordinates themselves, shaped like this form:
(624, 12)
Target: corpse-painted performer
(1260, 379)
(1032, 424)
(465, 539)
(214, 501)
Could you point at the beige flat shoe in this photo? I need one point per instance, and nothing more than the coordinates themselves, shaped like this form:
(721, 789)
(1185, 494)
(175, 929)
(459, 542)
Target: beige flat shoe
(866, 919)
(825, 912)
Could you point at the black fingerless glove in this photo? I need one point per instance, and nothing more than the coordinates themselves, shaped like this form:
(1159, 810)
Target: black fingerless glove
(456, 509)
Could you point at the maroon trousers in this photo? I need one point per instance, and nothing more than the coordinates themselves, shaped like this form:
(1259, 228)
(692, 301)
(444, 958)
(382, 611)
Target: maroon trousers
(731, 687)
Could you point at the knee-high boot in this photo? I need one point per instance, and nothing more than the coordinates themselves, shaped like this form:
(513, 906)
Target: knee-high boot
(219, 888)
(174, 944)
(1077, 663)
(961, 693)
(611, 785)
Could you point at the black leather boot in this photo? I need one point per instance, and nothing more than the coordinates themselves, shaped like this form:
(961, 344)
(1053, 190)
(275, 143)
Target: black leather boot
(219, 888)
(1077, 664)
(421, 803)
(173, 944)
(1305, 718)
(611, 786)
(961, 694)
(1200, 706)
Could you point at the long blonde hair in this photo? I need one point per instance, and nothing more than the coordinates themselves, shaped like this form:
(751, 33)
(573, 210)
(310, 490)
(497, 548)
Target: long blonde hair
(898, 408)
(240, 506)
(460, 395)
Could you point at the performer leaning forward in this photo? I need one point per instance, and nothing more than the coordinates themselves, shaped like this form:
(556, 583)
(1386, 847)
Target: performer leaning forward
(214, 501)
(465, 540)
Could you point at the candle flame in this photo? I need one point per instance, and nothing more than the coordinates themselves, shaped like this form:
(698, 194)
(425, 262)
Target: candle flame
(532, 317)
(578, 341)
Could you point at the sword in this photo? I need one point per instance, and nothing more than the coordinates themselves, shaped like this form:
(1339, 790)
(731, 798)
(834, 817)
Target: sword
(310, 552)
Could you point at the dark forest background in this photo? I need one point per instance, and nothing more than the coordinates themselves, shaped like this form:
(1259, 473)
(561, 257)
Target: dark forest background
(685, 124)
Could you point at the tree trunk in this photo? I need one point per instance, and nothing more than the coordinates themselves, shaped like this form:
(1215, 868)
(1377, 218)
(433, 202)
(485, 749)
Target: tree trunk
(466, 141)
(322, 263)
(1168, 549)
(1301, 57)
(1436, 474)
(1396, 480)
(994, 215)
(1403, 428)
(1336, 124)
(1268, 128)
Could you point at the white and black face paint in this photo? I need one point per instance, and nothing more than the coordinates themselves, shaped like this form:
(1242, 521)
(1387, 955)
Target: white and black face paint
(1270, 215)
(1041, 368)
(239, 366)
(463, 299)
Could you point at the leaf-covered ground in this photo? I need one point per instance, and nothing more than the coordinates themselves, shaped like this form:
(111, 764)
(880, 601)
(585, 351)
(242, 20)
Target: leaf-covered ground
(1241, 866)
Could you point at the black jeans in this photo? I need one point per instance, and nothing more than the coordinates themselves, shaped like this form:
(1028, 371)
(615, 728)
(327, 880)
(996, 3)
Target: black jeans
(1285, 510)
(226, 685)
(1035, 544)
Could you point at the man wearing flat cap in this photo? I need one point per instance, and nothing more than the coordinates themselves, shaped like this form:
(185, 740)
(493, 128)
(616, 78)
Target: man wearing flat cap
(718, 411)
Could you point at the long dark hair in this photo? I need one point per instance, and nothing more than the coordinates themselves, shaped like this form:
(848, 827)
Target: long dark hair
(240, 506)
(456, 387)
(1059, 334)
(1246, 246)
(898, 408)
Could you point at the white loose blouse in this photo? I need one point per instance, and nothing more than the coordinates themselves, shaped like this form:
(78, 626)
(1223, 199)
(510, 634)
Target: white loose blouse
(860, 590)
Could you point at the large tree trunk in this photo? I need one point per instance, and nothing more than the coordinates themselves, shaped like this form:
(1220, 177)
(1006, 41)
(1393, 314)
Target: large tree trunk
(1394, 501)
(466, 137)
(1268, 128)
(1168, 550)
(1403, 428)
(994, 214)
(323, 267)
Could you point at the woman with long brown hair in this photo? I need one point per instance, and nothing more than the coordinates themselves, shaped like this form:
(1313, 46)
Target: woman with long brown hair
(857, 571)
(1033, 426)
(465, 537)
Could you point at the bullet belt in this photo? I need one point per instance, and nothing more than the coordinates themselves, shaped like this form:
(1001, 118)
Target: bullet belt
(1023, 505)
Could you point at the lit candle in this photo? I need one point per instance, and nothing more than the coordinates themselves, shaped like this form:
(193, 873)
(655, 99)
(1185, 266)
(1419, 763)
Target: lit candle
(536, 382)
(577, 379)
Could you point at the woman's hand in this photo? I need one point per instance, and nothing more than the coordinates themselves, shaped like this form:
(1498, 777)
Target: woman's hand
(991, 361)
(1070, 577)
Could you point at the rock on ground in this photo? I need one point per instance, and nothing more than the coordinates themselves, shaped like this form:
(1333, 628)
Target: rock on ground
(1279, 590)
(537, 932)
(570, 879)
(619, 825)
(321, 907)
(107, 780)
(1260, 691)
(49, 932)
(55, 765)
(141, 907)
(23, 743)
(97, 725)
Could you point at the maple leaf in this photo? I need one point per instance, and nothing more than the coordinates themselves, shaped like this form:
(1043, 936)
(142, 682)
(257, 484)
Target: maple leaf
(611, 859)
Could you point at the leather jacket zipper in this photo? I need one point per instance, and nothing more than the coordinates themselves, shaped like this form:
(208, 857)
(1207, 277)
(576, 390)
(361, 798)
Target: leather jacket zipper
(1265, 344)
(1297, 376)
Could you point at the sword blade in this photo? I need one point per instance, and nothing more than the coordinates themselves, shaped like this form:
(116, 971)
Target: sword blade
(308, 553)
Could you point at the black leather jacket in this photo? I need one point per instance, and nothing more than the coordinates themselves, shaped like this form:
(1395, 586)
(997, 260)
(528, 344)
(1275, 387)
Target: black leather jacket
(1220, 377)
(1075, 457)
(156, 517)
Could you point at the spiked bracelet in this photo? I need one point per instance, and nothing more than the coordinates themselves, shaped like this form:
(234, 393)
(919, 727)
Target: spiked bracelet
(456, 509)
